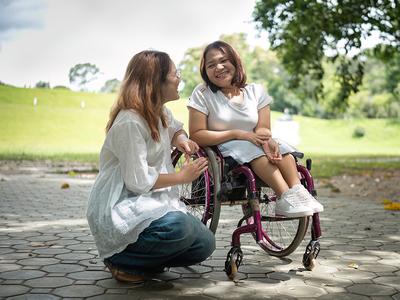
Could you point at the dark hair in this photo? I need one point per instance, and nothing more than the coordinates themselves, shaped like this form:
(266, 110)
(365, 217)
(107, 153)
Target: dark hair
(141, 89)
(239, 79)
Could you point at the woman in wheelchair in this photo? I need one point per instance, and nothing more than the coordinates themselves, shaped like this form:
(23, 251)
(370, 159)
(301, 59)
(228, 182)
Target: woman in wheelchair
(138, 222)
(227, 112)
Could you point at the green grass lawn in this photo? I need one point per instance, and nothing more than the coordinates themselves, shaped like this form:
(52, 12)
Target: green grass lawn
(58, 128)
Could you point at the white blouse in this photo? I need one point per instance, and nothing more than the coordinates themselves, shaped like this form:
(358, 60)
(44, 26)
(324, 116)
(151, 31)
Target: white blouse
(223, 114)
(122, 202)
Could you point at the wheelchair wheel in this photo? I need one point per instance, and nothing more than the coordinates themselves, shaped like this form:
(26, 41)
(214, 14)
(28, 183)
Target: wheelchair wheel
(281, 236)
(200, 196)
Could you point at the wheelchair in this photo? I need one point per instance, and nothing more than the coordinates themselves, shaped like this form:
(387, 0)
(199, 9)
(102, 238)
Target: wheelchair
(228, 183)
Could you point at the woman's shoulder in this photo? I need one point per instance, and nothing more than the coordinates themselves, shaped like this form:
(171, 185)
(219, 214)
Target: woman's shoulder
(256, 88)
(201, 89)
(128, 117)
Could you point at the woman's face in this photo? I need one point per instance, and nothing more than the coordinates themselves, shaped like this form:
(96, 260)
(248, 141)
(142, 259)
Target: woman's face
(169, 89)
(219, 68)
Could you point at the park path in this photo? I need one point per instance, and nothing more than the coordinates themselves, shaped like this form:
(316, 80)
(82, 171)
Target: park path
(47, 252)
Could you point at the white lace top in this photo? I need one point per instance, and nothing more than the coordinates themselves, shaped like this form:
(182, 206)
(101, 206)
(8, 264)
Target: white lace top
(122, 203)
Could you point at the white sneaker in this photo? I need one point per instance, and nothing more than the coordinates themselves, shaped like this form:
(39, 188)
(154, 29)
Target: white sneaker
(290, 205)
(307, 199)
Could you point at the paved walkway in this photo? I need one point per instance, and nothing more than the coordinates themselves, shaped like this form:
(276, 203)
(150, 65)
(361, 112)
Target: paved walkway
(47, 252)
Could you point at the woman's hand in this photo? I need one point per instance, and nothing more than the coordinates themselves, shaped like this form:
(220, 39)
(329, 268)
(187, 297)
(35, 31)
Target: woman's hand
(187, 146)
(184, 144)
(258, 138)
(192, 169)
(271, 149)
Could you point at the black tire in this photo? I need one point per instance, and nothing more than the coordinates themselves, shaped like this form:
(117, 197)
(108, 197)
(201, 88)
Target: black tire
(200, 196)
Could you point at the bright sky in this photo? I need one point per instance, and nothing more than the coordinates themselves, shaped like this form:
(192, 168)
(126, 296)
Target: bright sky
(43, 39)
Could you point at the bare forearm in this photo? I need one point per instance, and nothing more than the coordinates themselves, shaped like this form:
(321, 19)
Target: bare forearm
(263, 130)
(210, 138)
(179, 136)
(166, 180)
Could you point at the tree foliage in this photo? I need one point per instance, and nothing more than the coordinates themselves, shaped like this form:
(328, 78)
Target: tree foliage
(42, 85)
(111, 86)
(304, 32)
(82, 74)
(190, 70)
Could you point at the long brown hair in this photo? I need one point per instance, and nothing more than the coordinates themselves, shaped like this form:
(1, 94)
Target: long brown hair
(240, 77)
(141, 89)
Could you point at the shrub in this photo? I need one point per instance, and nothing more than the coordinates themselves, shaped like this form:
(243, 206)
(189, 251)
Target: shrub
(358, 132)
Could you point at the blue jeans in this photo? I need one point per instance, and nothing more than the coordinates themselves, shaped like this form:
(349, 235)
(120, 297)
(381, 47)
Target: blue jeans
(175, 240)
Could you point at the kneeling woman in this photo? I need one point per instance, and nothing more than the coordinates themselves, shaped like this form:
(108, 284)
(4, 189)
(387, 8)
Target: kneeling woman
(138, 223)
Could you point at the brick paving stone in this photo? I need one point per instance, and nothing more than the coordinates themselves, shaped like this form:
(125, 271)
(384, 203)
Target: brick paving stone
(111, 297)
(343, 296)
(28, 274)
(9, 267)
(74, 256)
(40, 291)
(51, 251)
(377, 268)
(12, 290)
(191, 269)
(392, 281)
(74, 291)
(94, 275)
(63, 268)
(48, 282)
(34, 297)
(396, 297)
(57, 246)
(354, 275)
(301, 291)
(38, 261)
(371, 289)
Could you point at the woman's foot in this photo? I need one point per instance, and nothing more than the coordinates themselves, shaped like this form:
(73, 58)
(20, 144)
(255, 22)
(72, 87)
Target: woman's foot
(124, 276)
(291, 206)
(307, 199)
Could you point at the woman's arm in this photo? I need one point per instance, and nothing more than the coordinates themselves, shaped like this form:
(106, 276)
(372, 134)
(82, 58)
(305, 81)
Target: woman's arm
(189, 172)
(200, 134)
(181, 141)
(264, 121)
(270, 147)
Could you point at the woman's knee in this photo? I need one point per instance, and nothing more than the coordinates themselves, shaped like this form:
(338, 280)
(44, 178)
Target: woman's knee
(179, 226)
(208, 241)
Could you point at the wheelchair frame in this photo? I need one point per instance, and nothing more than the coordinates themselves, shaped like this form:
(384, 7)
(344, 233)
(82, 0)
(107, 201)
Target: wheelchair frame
(218, 184)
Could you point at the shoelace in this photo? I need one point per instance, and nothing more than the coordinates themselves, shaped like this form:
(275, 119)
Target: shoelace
(296, 201)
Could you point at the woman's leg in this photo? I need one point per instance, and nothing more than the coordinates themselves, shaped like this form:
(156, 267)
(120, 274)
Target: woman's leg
(200, 250)
(166, 239)
(288, 204)
(270, 174)
(288, 169)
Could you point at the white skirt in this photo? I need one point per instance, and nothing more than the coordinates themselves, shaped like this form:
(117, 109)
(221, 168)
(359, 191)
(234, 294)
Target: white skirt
(244, 151)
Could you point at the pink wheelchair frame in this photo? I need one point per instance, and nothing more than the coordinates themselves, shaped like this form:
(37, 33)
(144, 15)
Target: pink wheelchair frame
(222, 184)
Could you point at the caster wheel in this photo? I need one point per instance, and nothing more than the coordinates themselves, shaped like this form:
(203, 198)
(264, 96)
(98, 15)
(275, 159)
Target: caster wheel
(233, 261)
(310, 255)
(309, 263)
(232, 270)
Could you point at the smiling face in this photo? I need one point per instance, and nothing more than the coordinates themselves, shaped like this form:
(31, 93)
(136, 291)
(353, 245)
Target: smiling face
(169, 89)
(219, 69)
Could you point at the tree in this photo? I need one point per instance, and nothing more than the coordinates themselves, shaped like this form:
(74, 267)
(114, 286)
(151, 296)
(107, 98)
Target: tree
(305, 32)
(42, 85)
(111, 86)
(82, 74)
(190, 70)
